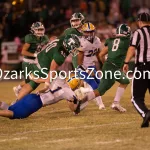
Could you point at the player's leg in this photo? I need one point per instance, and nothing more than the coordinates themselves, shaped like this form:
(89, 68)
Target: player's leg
(26, 67)
(17, 88)
(98, 99)
(26, 106)
(3, 106)
(93, 84)
(124, 81)
(6, 113)
(27, 88)
(106, 83)
(30, 85)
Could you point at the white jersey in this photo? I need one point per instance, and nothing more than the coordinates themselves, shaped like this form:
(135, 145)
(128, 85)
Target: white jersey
(90, 50)
(59, 90)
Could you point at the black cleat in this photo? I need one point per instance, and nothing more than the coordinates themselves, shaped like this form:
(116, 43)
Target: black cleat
(146, 120)
(77, 111)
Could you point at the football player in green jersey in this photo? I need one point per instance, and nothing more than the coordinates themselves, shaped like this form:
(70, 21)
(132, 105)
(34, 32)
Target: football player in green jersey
(76, 22)
(48, 60)
(33, 44)
(116, 48)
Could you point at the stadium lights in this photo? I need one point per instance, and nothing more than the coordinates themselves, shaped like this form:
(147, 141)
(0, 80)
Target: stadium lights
(14, 2)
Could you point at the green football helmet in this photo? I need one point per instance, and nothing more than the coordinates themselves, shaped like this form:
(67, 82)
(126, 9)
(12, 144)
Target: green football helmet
(77, 20)
(123, 30)
(71, 43)
(38, 29)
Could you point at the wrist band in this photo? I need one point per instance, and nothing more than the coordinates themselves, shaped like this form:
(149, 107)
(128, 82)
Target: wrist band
(126, 62)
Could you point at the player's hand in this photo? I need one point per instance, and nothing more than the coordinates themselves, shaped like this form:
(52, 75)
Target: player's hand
(42, 90)
(46, 85)
(125, 68)
(35, 55)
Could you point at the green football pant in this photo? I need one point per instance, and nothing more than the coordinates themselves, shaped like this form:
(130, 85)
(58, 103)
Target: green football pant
(111, 74)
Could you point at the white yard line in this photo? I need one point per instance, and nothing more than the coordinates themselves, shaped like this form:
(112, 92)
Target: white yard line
(70, 128)
(59, 140)
(13, 139)
(113, 142)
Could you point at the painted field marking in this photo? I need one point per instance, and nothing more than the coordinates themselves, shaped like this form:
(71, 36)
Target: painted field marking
(14, 139)
(70, 128)
(113, 142)
(59, 140)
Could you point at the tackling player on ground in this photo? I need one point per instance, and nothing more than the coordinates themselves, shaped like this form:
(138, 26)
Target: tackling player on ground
(58, 90)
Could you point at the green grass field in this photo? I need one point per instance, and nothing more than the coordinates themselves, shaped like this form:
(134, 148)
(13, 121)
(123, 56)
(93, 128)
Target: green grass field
(56, 128)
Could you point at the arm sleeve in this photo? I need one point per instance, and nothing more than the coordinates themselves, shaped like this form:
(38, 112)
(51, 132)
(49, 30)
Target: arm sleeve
(135, 39)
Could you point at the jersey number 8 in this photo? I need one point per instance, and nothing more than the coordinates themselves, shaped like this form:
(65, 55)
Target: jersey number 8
(115, 44)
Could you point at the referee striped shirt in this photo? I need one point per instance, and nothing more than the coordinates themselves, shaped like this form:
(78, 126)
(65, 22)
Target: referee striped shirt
(141, 41)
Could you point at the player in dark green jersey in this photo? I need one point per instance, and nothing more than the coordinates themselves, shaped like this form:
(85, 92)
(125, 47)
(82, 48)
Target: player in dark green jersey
(49, 59)
(76, 22)
(33, 44)
(116, 48)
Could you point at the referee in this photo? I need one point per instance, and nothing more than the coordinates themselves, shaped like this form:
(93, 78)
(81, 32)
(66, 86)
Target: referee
(140, 47)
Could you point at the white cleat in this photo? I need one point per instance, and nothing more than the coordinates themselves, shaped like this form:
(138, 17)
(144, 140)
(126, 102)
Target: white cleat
(118, 107)
(16, 90)
(102, 107)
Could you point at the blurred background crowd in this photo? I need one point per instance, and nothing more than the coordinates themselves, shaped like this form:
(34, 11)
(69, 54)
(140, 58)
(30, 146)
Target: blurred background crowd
(16, 16)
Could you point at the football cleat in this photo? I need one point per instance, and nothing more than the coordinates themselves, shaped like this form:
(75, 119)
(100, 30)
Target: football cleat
(118, 107)
(16, 90)
(77, 111)
(102, 107)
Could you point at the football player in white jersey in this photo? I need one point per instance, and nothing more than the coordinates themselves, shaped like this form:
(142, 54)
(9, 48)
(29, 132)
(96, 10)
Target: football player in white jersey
(58, 90)
(90, 45)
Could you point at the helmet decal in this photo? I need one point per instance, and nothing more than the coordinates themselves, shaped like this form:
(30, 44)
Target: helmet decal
(38, 29)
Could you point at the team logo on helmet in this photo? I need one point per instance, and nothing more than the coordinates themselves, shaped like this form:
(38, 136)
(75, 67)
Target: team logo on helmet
(38, 29)
(123, 30)
(71, 43)
(77, 20)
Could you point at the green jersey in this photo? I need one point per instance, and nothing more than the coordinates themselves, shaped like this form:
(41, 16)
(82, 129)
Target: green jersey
(54, 50)
(36, 44)
(117, 49)
(72, 31)
(76, 32)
